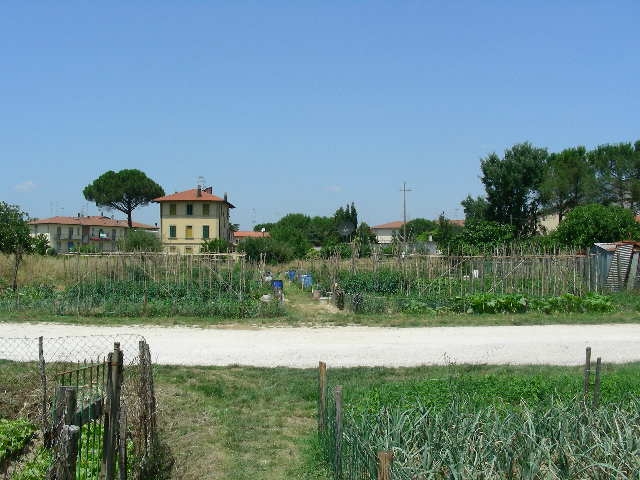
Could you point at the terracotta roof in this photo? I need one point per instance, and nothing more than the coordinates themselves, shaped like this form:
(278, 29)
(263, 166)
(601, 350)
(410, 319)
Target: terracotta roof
(91, 221)
(250, 234)
(192, 196)
(459, 223)
(390, 225)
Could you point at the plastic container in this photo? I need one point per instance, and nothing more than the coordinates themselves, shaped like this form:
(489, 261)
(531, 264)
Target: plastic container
(277, 284)
(307, 281)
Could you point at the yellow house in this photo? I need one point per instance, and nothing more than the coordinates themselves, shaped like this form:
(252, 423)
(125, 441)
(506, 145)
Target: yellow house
(187, 218)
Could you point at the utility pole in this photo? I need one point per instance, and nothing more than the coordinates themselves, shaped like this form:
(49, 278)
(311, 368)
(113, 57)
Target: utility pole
(404, 191)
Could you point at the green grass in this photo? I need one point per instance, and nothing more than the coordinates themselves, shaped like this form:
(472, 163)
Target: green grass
(241, 422)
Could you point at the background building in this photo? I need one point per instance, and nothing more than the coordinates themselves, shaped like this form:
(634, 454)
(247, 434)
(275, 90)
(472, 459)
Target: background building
(187, 218)
(68, 234)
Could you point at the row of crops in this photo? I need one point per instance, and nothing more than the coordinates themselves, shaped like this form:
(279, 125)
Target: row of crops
(497, 426)
(146, 286)
(466, 285)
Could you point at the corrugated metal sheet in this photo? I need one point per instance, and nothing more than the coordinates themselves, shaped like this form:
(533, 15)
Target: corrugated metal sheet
(619, 269)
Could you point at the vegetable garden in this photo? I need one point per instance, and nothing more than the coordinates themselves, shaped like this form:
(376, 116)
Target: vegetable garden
(557, 282)
(495, 426)
(143, 285)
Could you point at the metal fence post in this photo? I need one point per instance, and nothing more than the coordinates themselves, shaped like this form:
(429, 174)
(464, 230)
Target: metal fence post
(337, 392)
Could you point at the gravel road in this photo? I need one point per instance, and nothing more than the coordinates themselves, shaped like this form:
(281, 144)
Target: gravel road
(365, 346)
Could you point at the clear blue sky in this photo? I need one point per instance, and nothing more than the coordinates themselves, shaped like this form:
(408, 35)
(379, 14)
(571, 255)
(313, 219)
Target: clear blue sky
(304, 106)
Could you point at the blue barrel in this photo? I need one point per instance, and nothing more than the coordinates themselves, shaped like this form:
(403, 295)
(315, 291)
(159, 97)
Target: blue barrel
(292, 275)
(277, 284)
(307, 281)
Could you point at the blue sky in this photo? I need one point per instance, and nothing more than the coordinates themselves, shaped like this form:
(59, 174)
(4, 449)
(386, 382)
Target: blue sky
(304, 106)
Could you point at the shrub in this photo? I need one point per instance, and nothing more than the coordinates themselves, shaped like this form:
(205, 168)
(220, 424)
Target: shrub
(139, 241)
(588, 224)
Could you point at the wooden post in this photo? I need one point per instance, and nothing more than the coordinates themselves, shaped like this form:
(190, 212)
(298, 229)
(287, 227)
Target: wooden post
(337, 393)
(322, 397)
(112, 412)
(587, 371)
(66, 456)
(385, 459)
(596, 387)
(70, 403)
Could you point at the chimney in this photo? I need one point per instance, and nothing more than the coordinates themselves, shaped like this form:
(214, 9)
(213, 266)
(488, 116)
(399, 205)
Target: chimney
(209, 190)
(199, 191)
(78, 214)
(225, 196)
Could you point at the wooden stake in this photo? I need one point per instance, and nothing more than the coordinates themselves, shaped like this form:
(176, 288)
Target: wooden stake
(322, 397)
(596, 387)
(587, 371)
(385, 459)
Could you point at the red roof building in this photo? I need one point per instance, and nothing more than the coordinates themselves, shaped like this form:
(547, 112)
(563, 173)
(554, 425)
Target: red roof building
(71, 234)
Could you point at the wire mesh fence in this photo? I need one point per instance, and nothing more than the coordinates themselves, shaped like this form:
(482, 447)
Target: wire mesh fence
(84, 392)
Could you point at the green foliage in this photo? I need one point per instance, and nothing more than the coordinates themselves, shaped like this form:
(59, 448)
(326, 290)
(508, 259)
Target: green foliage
(475, 208)
(40, 244)
(446, 232)
(512, 186)
(271, 250)
(501, 425)
(617, 170)
(36, 468)
(215, 297)
(14, 230)
(587, 224)
(343, 250)
(125, 191)
(481, 236)
(346, 221)
(140, 241)
(566, 303)
(14, 435)
(569, 181)
(87, 248)
(420, 226)
(217, 245)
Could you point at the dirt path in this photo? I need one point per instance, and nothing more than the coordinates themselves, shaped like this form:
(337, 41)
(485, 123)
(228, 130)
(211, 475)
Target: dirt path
(366, 346)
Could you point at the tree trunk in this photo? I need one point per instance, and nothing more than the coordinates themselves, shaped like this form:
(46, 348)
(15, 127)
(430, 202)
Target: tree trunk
(129, 218)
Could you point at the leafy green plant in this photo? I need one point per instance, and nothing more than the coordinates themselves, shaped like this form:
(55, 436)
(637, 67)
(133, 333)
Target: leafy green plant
(14, 435)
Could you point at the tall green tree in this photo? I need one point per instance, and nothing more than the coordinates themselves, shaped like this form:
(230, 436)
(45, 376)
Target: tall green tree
(512, 186)
(346, 221)
(569, 181)
(14, 236)
(420, 226)
(617, 171)
(446, 232)
(125, 191)
(475, 208)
